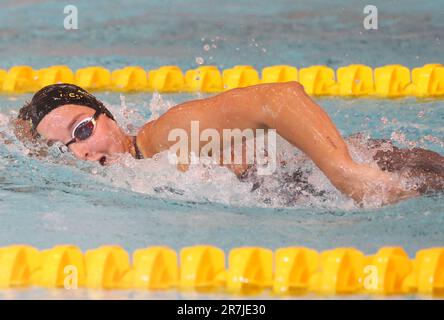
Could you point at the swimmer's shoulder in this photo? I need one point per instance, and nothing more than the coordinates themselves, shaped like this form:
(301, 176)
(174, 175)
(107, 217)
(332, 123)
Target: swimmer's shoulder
(146, 140)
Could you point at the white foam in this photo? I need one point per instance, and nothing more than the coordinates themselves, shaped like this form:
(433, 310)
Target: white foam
(4, 120)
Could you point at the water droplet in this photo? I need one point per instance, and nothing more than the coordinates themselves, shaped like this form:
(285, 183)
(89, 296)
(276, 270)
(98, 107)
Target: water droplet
(200, 60)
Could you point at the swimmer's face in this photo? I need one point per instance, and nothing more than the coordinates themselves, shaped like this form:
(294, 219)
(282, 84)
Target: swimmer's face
(106, 141)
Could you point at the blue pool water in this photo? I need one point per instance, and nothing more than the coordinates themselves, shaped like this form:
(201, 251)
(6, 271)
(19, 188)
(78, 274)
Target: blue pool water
(57, 199)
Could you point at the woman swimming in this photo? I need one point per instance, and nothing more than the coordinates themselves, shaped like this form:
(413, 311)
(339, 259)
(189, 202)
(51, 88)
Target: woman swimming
(69, 114)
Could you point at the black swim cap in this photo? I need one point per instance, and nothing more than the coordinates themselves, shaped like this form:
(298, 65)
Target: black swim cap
(56, 95)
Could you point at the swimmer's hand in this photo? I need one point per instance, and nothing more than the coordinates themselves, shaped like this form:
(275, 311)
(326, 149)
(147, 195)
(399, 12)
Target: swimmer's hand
(372, 186)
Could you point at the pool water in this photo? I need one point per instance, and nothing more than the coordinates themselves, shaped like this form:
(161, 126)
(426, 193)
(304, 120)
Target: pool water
(254, 32)
(56, 199)
(137, 203)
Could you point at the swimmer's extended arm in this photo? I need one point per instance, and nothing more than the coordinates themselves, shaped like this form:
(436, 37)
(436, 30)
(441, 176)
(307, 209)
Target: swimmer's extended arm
(296, 117)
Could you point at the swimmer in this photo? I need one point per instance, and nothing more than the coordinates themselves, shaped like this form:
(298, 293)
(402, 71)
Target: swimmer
(69, 114)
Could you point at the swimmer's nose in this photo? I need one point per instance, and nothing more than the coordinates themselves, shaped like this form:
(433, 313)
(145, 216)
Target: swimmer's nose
(83, 153)
(85, 156)
(93, 156)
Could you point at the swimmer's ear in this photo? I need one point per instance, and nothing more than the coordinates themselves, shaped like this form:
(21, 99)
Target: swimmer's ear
(23, 131)
(23, 128)
(30, 138)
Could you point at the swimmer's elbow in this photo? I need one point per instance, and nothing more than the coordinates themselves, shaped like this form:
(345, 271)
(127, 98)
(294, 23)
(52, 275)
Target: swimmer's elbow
(266, 88)
(295, 85)
(283, 90)
(294, 88)
(289, 87)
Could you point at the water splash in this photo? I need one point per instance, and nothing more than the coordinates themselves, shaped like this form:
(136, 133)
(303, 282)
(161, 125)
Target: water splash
(297, 182)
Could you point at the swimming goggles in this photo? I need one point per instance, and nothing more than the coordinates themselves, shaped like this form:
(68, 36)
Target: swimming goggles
(84, 129)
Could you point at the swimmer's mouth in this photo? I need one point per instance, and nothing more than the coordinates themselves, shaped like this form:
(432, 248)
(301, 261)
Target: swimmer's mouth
(103, 161)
